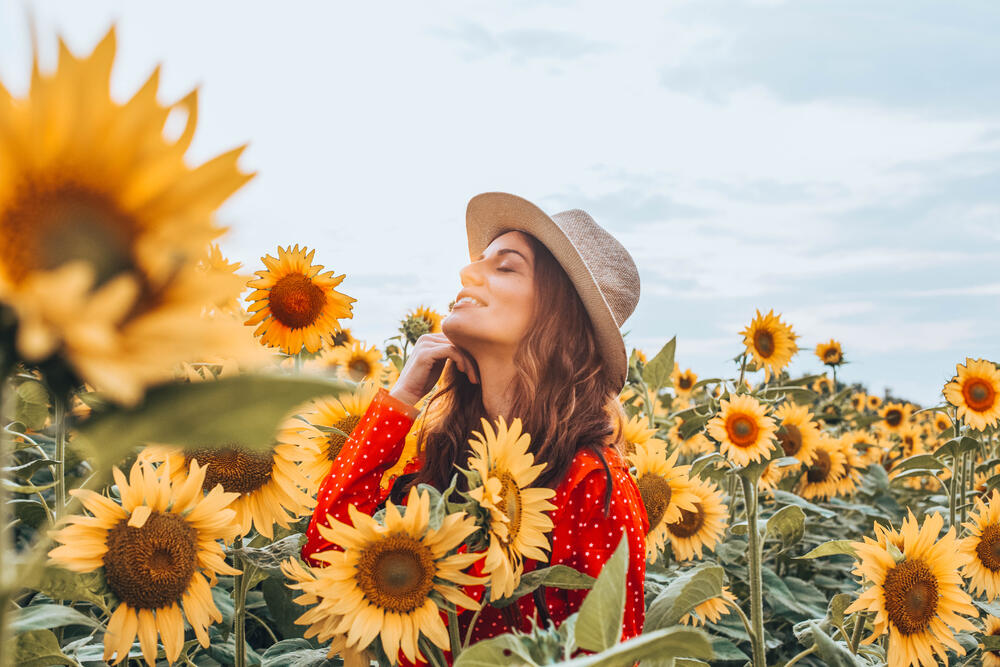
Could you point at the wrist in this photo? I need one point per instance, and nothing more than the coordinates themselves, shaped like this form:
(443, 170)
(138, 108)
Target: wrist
(409, 400)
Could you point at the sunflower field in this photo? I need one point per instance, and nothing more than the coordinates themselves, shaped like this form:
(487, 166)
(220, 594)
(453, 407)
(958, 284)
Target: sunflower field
(168, 421)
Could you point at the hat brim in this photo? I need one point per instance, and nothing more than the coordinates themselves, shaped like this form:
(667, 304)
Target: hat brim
(492, 213)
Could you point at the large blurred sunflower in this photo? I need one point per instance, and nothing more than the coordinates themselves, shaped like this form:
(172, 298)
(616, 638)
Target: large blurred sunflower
(391, 580)
(665, 490)
(102, 225)
(770, 341)
(215, 263)
(683, 382)
(294, 304)
(982, 547)
(743, 429)
(342, 412)
(826, 470)
(975, 391)
(518, 524)
(992, 628)
(701, 529)
(267, 482)
(797, 433)
(158, 550)
(830, 353)
(917, 599)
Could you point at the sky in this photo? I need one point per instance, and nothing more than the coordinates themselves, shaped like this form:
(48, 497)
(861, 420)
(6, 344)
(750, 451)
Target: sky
(835, 161)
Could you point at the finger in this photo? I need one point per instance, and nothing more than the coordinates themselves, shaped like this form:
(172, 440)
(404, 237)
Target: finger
(465, 363)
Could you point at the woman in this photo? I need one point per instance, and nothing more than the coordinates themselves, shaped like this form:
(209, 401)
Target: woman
(534, 333)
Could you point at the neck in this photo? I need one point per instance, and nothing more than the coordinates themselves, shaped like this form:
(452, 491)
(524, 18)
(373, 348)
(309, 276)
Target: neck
(496, 375)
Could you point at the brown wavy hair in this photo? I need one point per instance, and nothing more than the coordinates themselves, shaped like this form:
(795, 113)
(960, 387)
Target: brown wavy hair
(562, 393)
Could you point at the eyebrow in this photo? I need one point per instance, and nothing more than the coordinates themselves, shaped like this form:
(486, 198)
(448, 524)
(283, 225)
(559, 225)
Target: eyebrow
(506, 251)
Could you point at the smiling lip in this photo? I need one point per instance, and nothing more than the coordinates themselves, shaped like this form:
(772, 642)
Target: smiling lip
(472, 300)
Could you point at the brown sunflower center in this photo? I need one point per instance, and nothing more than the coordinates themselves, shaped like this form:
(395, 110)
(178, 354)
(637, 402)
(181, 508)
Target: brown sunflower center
(235, 468)
(764, 342)
(45, 227)
(150, 567)
(359, 368)
(690, 522)
(894, 417)
(295, 301)
(988, 548)
(911, 595)
(819, 470)
(831, 355)
(656, 493)
(742, 430)
(336, 441)
(979, 394)
(342, 338)
(790, 439)
(510, 502)
(685, 382)
(396, 573)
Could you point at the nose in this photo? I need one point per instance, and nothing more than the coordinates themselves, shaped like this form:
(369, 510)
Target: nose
(470, 274)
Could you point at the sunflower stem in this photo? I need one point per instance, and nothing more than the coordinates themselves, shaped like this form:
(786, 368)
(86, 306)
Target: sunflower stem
(754, 572)
(298, 362)
(859, 626)
(472, 624)
(743, 370)
(239, 606)
(59, 416)
(960, 490)
(456, 644)
(799, 656)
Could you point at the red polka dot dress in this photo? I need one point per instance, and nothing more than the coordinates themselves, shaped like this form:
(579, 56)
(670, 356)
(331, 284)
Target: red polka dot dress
(583, 536)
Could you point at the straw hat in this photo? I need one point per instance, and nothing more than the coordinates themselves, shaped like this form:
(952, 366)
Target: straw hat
(600, 268)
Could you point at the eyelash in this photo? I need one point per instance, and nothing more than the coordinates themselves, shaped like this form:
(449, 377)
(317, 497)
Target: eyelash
(506, 270)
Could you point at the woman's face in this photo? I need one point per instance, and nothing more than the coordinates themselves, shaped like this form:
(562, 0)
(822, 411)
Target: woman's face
(493, 310)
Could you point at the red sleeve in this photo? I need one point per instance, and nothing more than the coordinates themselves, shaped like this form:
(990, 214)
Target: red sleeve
(584, 537)
(372, 448)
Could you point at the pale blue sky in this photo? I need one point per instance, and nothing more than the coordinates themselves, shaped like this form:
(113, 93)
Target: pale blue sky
(838, 162)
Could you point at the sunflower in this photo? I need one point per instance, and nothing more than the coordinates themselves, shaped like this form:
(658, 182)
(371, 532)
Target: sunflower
(702, 528)
(991, 658)
(916, 599)
(355, 362)
(982, 547)
(517, 523)
(294, 304)
(894, 417)
(683, 383)
(830, 353)
(636, 431)
(267, 483)
(342, 412)
(853, 463)
(665, 490)
(389, 375)
(159, 552)
(770, 342)
(102, 225)
(392, 581)
(693, 446)
(797, 433)
(769, 477)
(711, 610)
(743, 429)
(874, 402)
(859, 401)
(869, 444)
(975, 391)
(822, 385)
(910, 442)
(941, 422)
(826, 470)
(418, 322)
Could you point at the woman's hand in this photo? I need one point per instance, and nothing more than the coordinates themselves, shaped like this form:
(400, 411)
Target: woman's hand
(425, 364)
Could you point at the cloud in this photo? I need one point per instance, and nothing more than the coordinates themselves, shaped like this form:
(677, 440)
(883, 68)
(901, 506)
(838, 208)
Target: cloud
(920, 53)
(522, 44)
